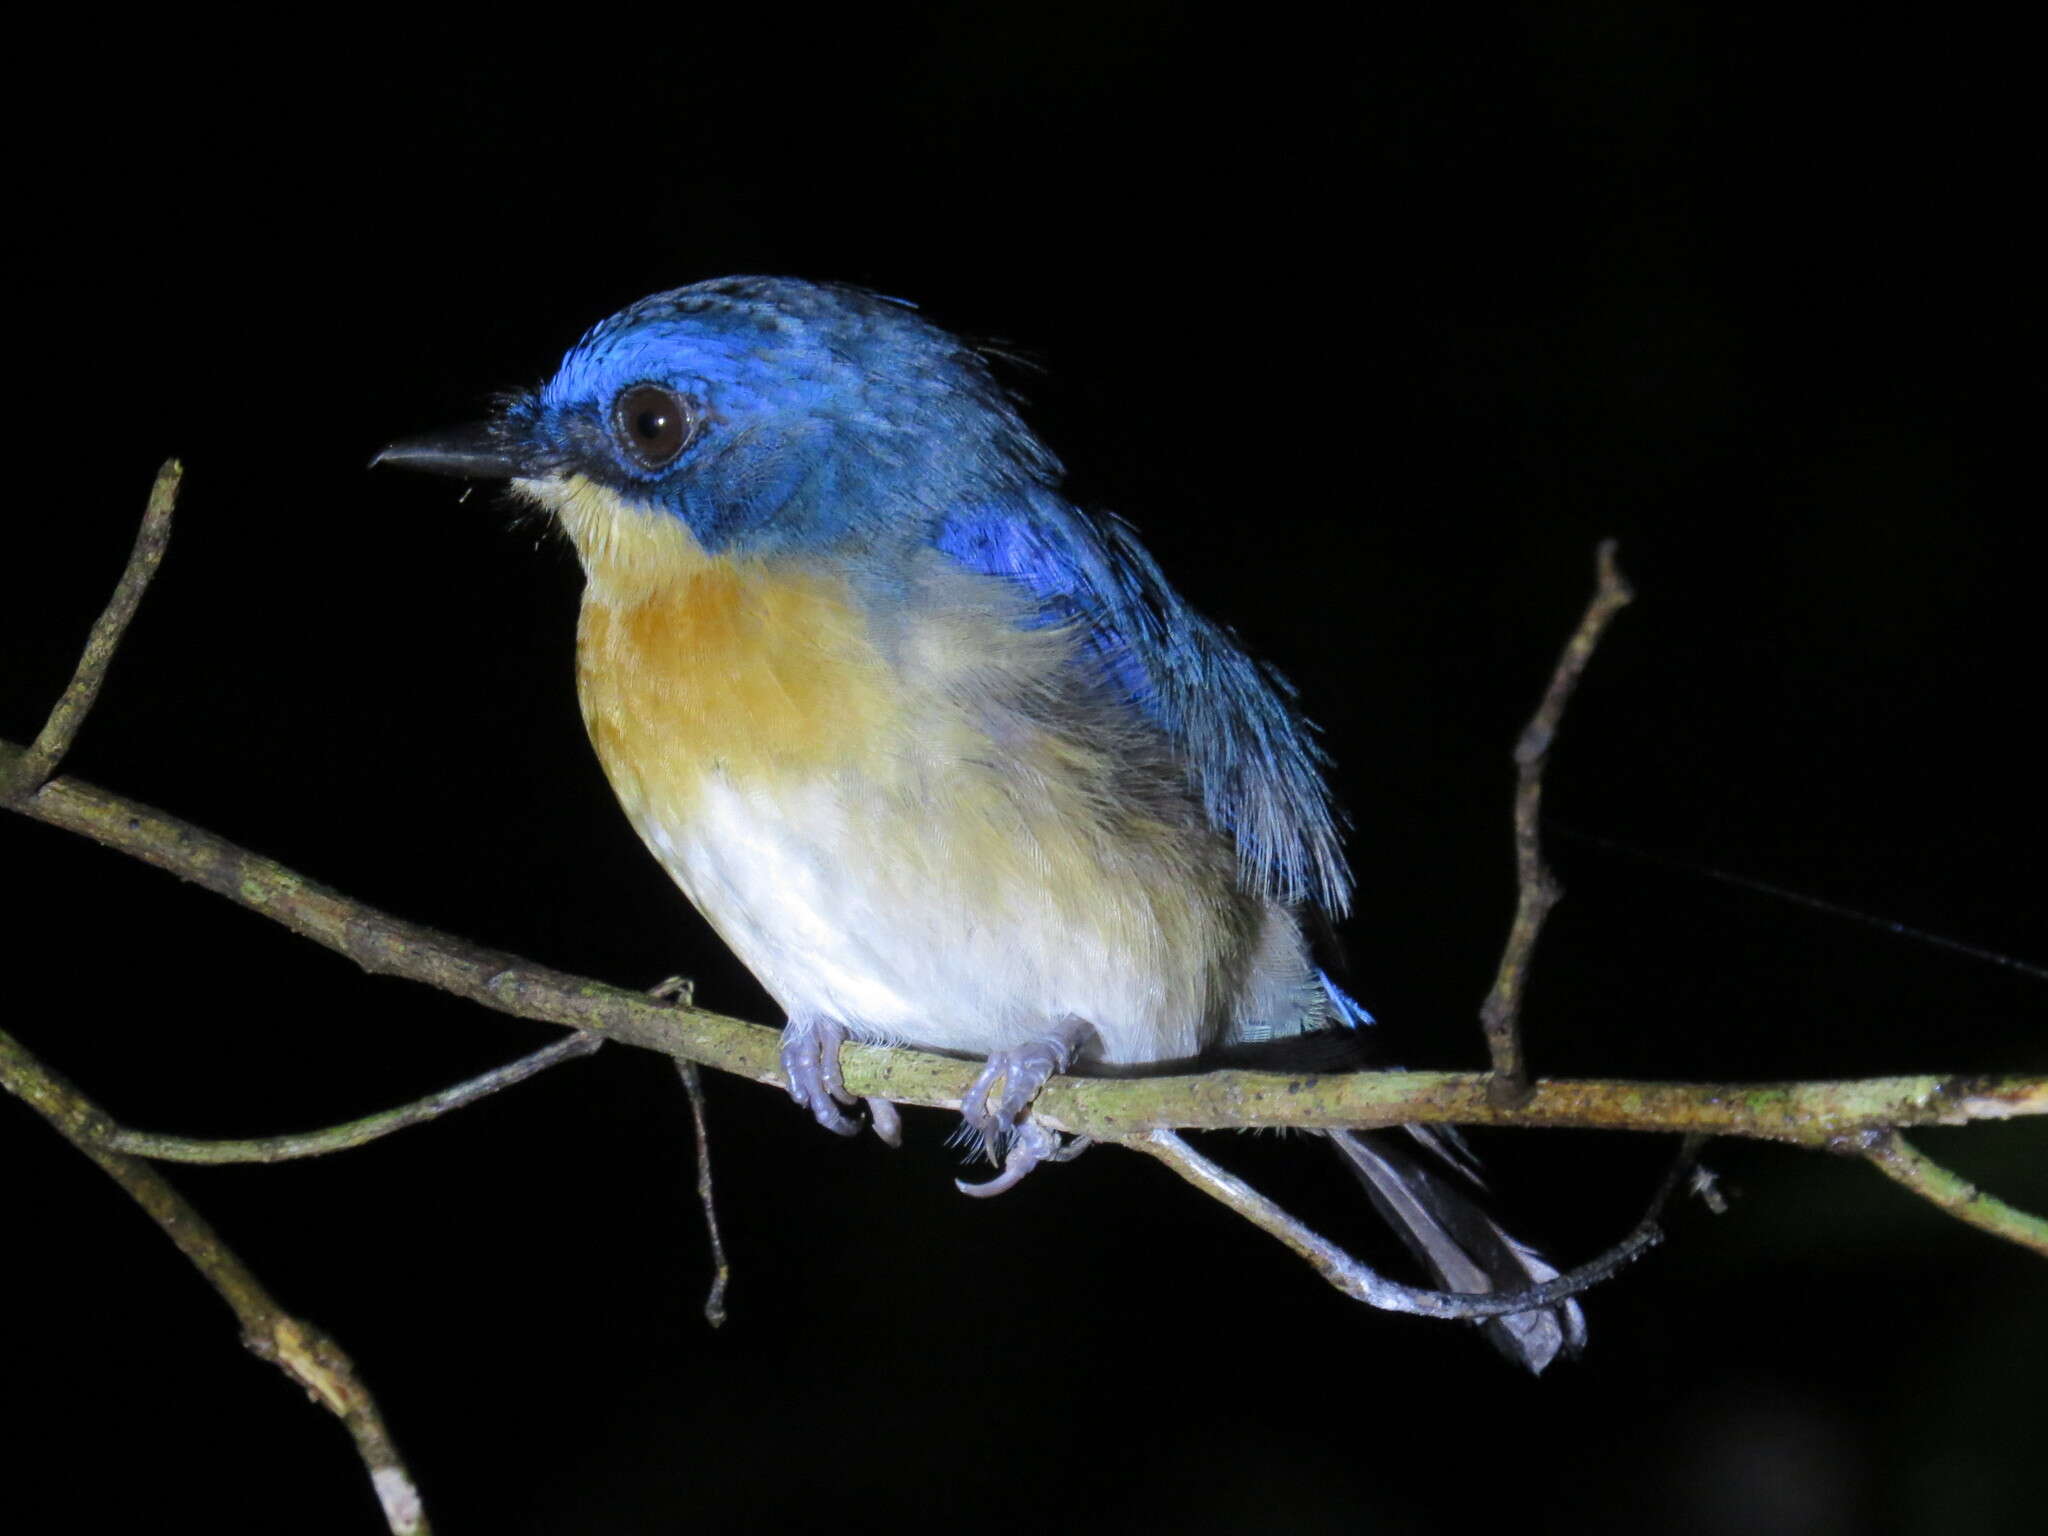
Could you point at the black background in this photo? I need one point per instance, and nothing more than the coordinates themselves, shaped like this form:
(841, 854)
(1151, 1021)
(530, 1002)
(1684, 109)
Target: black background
(1373, 332)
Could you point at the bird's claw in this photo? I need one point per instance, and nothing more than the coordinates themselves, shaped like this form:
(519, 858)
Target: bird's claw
(810, 1066)
(885, 1122)
(1030, 1145)
(1023, 1070)
(1003, 1124)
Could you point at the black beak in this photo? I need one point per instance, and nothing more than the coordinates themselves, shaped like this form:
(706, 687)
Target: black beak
(467, 453)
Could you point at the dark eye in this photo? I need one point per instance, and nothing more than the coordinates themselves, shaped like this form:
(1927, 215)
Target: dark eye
(652, 424)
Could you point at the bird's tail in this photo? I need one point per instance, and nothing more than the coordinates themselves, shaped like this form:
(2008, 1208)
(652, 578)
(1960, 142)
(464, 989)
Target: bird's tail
(1429, 1195)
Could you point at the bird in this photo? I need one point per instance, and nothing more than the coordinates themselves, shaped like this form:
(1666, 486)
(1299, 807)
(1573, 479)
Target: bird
(942, 756)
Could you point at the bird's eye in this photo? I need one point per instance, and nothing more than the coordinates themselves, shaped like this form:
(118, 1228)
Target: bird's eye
(652, 424)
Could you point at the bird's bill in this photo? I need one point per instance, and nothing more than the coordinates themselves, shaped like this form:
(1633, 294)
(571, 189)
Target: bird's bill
(473, 452)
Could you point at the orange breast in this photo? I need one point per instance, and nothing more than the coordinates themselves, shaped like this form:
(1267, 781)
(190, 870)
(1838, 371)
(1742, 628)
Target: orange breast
(759, 674)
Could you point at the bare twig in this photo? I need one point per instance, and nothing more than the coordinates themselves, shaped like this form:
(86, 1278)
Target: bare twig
(1537, 890)
(681, 990)
(1361, 1282)
(354, 1133)
(1890, 1154)
(1812, 1114)
(296, 1347)
(721, 1266)
(61, 729)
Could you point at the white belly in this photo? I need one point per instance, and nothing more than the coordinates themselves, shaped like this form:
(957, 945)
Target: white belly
(869, 914)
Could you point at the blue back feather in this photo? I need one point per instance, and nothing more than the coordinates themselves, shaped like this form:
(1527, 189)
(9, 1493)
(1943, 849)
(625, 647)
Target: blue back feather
(1249, 753)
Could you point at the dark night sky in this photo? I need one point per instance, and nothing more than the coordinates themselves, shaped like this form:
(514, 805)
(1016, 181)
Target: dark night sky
(1373, 334)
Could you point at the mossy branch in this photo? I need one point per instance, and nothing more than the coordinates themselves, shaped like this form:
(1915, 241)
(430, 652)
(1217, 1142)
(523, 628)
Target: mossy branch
(1831, 1115)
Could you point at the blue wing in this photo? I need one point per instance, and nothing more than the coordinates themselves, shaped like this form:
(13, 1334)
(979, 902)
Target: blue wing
(1249, 754)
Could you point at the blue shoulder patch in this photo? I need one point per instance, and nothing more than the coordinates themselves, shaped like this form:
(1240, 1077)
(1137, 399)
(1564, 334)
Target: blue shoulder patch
(1250, 755)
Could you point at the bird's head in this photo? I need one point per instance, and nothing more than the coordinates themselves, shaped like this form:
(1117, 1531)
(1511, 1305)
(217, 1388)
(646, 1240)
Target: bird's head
(765, 414)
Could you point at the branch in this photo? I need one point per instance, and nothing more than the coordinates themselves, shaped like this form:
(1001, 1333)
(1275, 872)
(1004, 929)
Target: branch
(355, 1133)
(1537, 890)
(1859, 1117)
(1824, 1114)
(680, 989)
(294, 1346)
(297, 1348)
(1361, 1283)
(35, 765)
(721, 1266)
(1888, 1152)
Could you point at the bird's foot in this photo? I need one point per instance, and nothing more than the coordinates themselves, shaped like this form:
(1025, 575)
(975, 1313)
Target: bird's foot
(1030, 1145)
(810, 1066)
(1003, 1124)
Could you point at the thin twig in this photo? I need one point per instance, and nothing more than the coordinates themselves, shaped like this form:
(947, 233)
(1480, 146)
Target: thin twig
(1536, 890)
(296, 1347)
(1361, 1282)
(1890, 1154)
(721, 1267)
(354, 1133)
(681, 990)
(61, 728)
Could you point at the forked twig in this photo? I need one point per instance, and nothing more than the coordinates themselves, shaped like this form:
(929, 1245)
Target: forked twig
(294, 1346)
(1361, 1282)
(302, 1351)
(1537, 891)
